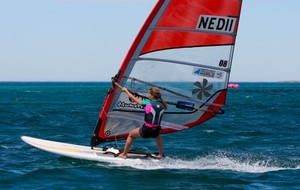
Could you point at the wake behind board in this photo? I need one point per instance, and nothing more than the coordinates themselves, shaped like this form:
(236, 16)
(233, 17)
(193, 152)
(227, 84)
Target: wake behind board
(101, 154)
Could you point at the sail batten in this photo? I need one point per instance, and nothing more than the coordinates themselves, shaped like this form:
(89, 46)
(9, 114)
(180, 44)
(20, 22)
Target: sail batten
(191, 30)
(182, 63)
(185, 48)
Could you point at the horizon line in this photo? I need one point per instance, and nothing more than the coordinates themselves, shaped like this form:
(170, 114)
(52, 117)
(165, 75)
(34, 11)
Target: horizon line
(92, 81)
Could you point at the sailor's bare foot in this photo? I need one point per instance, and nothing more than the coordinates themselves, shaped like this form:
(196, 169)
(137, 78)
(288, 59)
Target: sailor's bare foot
(122, 155)
(158, 156)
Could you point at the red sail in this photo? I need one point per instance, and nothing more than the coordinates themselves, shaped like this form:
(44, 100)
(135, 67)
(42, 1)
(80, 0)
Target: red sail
(185, 48)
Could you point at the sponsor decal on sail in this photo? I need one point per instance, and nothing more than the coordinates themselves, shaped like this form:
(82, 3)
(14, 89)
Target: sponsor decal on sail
(216, 24)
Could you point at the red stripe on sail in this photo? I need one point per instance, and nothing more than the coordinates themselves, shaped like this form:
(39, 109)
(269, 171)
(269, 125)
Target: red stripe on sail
(185, 13)
(160, 40)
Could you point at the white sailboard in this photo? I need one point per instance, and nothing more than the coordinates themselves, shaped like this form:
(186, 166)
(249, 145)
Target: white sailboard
(101, 154)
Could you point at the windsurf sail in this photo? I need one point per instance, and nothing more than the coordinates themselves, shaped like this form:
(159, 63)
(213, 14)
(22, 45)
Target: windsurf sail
(184, 48)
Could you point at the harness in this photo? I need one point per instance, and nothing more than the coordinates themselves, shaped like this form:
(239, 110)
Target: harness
(153, 114)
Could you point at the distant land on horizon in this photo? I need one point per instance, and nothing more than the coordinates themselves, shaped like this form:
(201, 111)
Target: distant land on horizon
(71, 81)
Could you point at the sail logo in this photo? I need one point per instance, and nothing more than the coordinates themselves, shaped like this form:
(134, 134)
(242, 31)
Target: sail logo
(216, 24)
(122, 104)
(208, 73)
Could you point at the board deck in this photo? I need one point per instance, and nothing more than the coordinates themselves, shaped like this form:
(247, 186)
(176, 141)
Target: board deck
(101, 154)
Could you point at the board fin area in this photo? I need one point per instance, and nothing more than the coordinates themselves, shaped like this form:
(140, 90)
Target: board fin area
(102, 154)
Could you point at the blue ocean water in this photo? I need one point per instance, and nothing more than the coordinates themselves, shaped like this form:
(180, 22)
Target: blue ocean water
(254, 145)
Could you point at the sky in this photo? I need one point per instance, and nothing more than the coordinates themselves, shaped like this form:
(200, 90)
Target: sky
(87, 40)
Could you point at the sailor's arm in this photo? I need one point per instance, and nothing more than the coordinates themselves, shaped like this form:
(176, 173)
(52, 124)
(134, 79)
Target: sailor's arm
(131, 96)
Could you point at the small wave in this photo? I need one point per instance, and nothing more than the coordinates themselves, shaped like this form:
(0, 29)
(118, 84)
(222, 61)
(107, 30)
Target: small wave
(209, 131)
(205, 163)
(12, 147)
(33, 91)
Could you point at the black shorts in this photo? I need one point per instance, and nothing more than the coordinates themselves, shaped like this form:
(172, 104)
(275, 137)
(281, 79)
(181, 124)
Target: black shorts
(149, 132)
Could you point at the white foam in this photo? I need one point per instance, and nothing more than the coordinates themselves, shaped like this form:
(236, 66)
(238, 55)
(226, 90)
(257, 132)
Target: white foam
(209, 131)
(204, 163)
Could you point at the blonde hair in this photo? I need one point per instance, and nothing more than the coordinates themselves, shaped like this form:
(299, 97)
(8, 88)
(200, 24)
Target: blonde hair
(155, 92)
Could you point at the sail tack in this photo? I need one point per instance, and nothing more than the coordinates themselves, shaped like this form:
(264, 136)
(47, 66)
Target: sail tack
(185, 48)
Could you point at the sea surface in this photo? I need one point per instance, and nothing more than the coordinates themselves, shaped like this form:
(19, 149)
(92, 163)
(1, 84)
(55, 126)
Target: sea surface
(254, 145)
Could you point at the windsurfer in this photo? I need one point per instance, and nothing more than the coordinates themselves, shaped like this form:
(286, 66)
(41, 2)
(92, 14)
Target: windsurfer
(154, 109)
